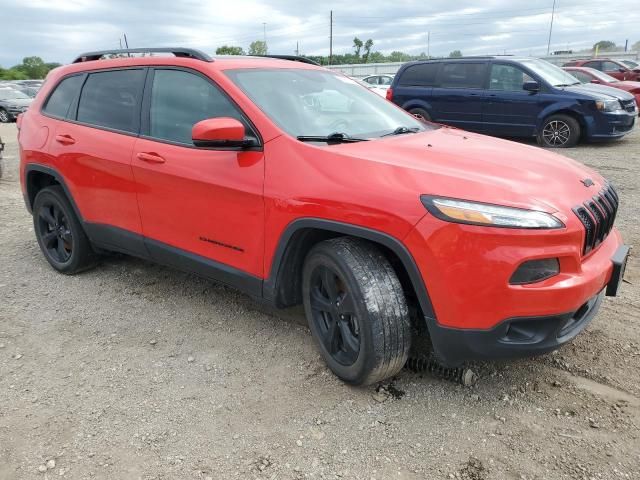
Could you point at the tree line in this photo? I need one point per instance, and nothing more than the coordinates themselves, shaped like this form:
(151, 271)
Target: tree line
(30, 68)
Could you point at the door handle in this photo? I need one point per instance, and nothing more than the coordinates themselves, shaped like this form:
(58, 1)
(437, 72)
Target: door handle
(150, 157)
(65, 139)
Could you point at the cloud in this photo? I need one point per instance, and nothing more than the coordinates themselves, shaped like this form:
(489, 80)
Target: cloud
(58, 30)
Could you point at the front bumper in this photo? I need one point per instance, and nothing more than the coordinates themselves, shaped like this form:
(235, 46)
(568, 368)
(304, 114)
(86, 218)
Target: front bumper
(513, 338)
(607, 126)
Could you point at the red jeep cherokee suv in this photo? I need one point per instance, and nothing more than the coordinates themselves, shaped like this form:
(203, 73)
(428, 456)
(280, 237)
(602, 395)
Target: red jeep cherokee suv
(297, 185)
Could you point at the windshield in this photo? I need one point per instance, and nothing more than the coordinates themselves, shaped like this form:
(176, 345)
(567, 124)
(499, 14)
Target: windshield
(603, 77)
(318, 103)
(10, 94)
(550, 73)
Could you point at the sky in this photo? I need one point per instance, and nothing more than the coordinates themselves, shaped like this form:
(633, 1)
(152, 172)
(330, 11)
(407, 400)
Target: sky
(58, 30)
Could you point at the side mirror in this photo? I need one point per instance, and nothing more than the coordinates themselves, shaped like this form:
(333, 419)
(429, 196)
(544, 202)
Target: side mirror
(595, 81)
(622, 70)
(531, 86)
(219, 132)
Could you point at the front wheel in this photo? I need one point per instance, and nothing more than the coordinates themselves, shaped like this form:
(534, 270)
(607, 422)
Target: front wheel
(420, 114)
(559, 131)
(356, 309)
(4, 116)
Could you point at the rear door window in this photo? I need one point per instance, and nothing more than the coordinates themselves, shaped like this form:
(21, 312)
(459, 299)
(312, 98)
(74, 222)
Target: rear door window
(610, 67)
(462, 75)
(597, 65)
(63, 96)
(423, 74)
(112, 99)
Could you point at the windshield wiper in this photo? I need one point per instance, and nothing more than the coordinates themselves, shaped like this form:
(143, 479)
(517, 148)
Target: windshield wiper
(402, 130)
(333, 138)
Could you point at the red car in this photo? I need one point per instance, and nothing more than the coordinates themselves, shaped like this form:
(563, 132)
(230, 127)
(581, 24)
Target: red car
(297, 185)
(591, 75)
(612, 68)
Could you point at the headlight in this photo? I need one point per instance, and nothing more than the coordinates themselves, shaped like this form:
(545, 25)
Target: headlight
(608, 105)
(475, 213)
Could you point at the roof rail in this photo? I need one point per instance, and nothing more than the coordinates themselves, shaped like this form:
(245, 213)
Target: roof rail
(178, 52)
(293, 58)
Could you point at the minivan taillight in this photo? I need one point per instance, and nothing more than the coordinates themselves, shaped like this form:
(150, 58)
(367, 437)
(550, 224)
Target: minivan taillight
(389, 94)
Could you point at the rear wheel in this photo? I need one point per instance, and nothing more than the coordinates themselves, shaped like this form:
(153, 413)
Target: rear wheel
(59, 232)
(4, 116)
(559, 131)
(356, 310)
(420, 114)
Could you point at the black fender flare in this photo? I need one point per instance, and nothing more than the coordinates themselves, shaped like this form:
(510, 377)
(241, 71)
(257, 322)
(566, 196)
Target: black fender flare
(28, 197)
(272, 283)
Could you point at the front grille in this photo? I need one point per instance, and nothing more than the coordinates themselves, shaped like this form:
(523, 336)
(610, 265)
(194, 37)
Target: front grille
(597, 216)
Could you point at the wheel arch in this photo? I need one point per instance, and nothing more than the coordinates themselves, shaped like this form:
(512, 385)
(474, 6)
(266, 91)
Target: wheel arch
(283, 286)
(38, 177)
(577, 116)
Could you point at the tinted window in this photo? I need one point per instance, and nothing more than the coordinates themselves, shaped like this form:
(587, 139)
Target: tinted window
(462, 75)
(507, 78)
(372, 80)
(179, 100)
(596, 65)
(386, 80)
(423, 74)
(61, 98)
(610, 67)
(111, 99)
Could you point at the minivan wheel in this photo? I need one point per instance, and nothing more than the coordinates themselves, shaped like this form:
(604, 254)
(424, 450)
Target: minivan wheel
(59, 233)
(420, 114)
(356, 309)
(4, 116)
(559, 131)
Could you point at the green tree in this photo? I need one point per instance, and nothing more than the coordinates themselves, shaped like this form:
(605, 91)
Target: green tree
(229, 50)
(12, 74)
(604, 46)
(367, 50)
(258, 47)
(33, 67)
(397, 56)
(455, 54)
(357, 45)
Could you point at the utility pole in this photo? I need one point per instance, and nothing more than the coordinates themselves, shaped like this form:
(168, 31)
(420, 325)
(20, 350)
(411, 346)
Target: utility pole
(297, 50)
(428, 44)
(553, 11)
(126, 44)
(120, 40)
(264, 36)
(330, 36)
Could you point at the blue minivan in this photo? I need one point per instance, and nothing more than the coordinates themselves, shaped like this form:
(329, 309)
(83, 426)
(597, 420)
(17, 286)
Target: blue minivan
(513, 97)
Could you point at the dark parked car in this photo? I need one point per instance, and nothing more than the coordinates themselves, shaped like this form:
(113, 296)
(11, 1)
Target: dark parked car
(516, 97)
(12, 103)
(614, 68)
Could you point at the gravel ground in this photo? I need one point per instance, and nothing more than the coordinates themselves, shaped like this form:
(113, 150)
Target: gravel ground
(135, 371)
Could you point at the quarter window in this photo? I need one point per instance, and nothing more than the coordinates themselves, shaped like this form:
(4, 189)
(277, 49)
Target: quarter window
(423, 75)
(610, 67)
(462, 75)
(111, 99)
(62, 97)
(507, 78)
(181, 99)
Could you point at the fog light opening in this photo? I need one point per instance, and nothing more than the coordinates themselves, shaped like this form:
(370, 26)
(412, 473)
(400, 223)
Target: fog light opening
(533, 271)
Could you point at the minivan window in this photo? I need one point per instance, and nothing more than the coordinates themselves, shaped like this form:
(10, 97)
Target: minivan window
(111, 99)
(507, 78)
(423, 74)
(61, 98)
(462, 75)
(550, 73)
(181, 99)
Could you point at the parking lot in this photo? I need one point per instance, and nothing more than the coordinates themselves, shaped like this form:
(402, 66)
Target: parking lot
(136, 371)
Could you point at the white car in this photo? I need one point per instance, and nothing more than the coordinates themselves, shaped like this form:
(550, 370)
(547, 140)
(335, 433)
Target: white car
(379, 83)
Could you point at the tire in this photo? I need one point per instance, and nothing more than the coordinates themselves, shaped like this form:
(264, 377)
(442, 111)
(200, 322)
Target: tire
(4, 116)
(559, 131)
(420, 114)
(356, 309)
(59, 232)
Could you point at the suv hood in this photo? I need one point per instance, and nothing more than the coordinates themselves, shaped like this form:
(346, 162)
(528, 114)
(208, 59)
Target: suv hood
(598, 92)
(454, 163)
